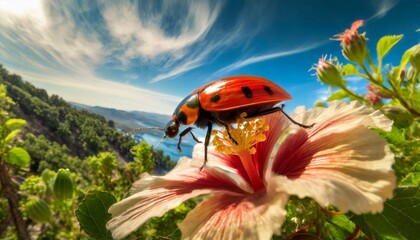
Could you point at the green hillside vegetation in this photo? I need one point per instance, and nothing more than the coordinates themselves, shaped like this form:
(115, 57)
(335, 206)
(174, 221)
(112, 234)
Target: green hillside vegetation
(53, 157)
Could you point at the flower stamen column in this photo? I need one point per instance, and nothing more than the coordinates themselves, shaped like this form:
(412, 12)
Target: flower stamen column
(246, 134)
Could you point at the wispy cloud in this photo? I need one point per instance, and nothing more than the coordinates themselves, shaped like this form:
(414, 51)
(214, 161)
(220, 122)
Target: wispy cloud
(100, 92)
(162, 39)
(145, 36)
(266, 57)
(322, 94)
(382, 8)
(56, 45)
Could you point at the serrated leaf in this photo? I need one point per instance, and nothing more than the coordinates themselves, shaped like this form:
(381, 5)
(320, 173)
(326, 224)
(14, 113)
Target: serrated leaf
(18, 156)
(399, 220)
(15, 123)
(349, 69)
(340, 94)
(385, 44)
(395, 136)
(93, 214)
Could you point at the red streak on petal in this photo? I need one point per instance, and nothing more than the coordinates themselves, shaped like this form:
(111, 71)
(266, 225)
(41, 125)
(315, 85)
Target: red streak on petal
(252, 171)
(290, 159)
(234, 162)
(206, 178)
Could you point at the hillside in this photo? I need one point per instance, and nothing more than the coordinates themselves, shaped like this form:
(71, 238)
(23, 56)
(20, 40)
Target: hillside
(60, 135)
(128, 120)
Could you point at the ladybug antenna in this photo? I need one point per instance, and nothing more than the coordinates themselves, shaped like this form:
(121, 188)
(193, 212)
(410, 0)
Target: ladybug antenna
(161, 140)
(145, 128)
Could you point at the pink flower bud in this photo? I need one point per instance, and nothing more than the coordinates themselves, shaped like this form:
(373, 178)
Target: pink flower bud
(353, 43)
(374, 90)
(328, 73)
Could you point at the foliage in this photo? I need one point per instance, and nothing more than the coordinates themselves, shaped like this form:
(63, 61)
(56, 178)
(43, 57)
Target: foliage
(93, 214)
(143, 159)
(12, 159)
(393, 90)
(83, 133)
(65, 156)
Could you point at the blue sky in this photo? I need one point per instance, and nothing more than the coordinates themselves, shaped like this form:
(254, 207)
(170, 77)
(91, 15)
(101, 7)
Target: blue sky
(148, 55)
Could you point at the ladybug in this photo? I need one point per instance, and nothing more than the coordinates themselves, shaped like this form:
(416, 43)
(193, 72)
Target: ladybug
(222, 101)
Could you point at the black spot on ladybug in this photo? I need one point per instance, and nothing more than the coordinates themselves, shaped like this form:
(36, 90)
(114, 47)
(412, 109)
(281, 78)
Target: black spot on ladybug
(215, 98)
(181, 117)
(268, 90)
(193, 102)
(247, 91)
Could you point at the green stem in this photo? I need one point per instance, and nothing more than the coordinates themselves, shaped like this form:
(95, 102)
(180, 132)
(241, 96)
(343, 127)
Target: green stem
(372, 65)
(403, 102)
(413, 87)
(353, 94)
(10, 193)
(370, 77)
(362, 76)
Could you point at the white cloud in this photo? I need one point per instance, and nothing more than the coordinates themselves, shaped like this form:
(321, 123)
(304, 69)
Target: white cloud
(47, 41)
(266, 57)
(382, 8)
(143, 36)
(58, 46)
(322, 94)
(94, 91)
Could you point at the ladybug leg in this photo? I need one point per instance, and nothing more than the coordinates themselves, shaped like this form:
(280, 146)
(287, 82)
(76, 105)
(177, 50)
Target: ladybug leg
(227, 126)
(194, 137)
(183, 133)
(278, 109)
(207, 142)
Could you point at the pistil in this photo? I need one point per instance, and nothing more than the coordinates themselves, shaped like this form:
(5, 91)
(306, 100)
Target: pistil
(246, 134)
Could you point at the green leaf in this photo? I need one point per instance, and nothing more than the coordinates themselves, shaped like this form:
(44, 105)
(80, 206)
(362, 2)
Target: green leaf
(416, 167)
(395, 136)
(412, 179)
(340, 94)
(38, 210)
(385, 44)
(406, 58)
(18, 156)
(15, 123)
(11, 135)
(93, 214)
(338, 227)
(399, 220)
(63, 185)
(349, 69)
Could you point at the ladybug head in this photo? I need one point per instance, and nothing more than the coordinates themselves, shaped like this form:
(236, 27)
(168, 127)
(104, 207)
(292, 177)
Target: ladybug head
(171, 129)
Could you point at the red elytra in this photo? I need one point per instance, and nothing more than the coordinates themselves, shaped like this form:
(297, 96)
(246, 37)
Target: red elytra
(222, 101)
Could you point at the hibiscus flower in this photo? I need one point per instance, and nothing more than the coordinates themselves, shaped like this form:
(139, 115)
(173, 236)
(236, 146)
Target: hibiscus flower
(339, 162)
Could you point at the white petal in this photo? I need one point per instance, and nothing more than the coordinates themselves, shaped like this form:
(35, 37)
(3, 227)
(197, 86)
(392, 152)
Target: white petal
(236, 217)
(130, 213)
(339, 161)
(353, 113)
(154, 196)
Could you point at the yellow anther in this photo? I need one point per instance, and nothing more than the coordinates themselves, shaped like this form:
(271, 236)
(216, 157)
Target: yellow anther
(247, 133)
